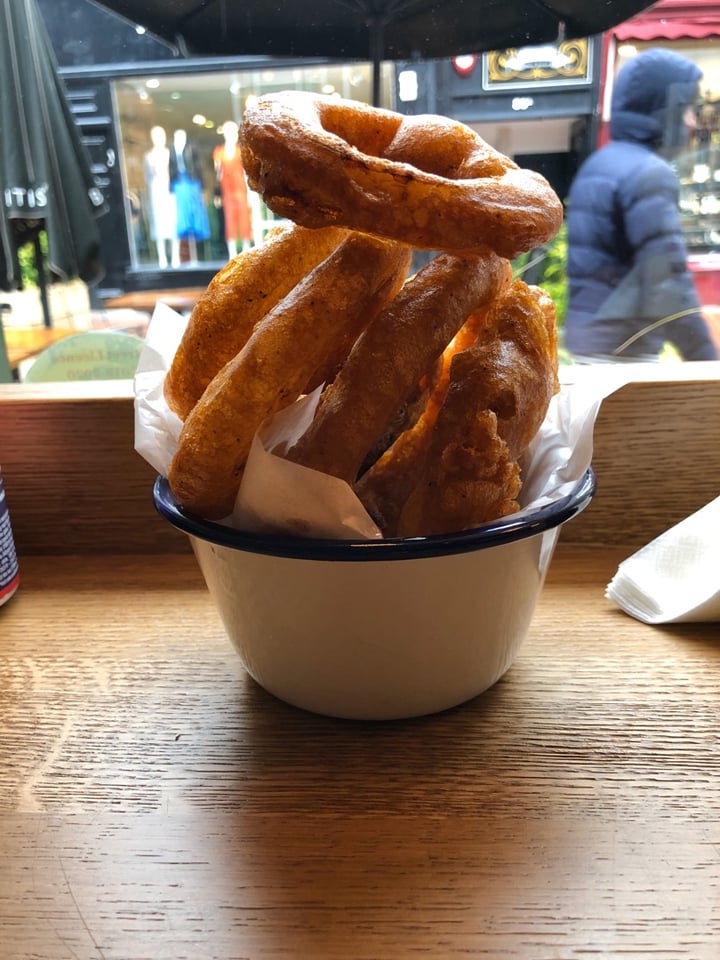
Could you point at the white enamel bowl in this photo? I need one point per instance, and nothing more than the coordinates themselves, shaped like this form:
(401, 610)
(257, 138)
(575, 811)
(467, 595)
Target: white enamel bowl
(382, 629)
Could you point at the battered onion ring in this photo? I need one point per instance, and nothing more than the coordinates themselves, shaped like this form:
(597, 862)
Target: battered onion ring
(387, 362)
(427, 181)
(387, 484)
(467, 481)
(272, 369)
(498, 395)
(236, 299)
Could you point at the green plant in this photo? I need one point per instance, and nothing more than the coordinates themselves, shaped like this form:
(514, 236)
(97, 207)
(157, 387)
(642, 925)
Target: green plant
(547, 267)
(26, 259)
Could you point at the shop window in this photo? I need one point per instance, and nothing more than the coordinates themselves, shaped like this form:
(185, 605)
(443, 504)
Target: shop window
(186, 199)
(699, 173)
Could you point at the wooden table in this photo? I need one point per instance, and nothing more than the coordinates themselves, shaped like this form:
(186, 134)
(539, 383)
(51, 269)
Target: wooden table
(181, 299)
(23, 343)
(155, 803)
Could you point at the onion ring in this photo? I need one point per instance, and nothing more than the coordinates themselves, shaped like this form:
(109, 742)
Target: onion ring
(387, 362)
(391, 478)
(427, 181)
(497, 397)
(272, 369)
(236, 299)
(468, 481)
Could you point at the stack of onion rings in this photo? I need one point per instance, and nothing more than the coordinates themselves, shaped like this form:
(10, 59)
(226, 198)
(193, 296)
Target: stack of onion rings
(433, 385)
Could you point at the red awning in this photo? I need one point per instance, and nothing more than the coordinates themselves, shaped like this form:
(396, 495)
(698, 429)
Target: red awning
(672, 20)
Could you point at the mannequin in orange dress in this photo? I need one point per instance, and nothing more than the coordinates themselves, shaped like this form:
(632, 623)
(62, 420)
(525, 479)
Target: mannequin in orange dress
(233, 190)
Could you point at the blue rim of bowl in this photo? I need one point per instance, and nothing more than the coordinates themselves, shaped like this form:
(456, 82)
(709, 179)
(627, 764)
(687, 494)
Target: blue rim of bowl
(505, 530)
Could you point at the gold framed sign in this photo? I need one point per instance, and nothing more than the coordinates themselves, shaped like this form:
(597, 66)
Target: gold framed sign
(567, 63)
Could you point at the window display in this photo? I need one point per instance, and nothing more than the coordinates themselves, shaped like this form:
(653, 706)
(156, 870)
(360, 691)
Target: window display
(186, 195)
(699, 175)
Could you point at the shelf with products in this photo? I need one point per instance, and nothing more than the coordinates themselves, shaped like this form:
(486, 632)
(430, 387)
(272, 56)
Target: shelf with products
(699, 199)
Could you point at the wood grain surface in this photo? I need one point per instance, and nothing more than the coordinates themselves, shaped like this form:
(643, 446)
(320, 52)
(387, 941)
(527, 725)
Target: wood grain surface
(25, 342)
(656, 455)
(155, 803)
(182, 299)
(73, 481)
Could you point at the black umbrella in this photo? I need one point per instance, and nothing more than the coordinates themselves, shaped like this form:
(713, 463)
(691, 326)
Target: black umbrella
(373, 30)
(45, 170)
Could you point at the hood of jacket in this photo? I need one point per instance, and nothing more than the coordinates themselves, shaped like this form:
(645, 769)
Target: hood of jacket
(650, 96)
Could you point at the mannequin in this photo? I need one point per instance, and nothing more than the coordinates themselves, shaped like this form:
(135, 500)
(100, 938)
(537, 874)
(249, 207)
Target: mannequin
(233, 190)
(163, 217)
(186, 184)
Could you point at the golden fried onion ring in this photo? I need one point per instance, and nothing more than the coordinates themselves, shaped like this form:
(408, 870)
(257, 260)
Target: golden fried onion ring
(390, 479)
(271, 371)
(236, 299)
(427, 181)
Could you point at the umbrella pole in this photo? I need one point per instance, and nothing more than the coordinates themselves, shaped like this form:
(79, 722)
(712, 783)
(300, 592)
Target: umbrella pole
(376, 26)
(42, 280)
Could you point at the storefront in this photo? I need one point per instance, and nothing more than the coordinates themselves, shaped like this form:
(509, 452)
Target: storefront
(535, 104)
(162, 134)
(692, 28)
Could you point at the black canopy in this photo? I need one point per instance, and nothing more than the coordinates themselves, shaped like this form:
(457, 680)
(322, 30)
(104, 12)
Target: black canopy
(372, 30)
(45, 170)
(341, 28)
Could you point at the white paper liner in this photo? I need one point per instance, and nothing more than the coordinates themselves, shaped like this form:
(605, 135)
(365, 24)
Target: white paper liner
(282, 497)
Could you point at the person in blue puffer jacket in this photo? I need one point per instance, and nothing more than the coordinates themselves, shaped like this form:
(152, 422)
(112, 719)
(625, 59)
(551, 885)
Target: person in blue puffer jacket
(627, 259)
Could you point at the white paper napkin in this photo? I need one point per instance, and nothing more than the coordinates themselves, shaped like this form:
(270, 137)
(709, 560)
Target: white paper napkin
(676, 577)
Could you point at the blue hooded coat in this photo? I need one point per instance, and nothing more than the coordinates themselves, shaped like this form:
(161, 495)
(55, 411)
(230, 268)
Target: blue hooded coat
(627, 260)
